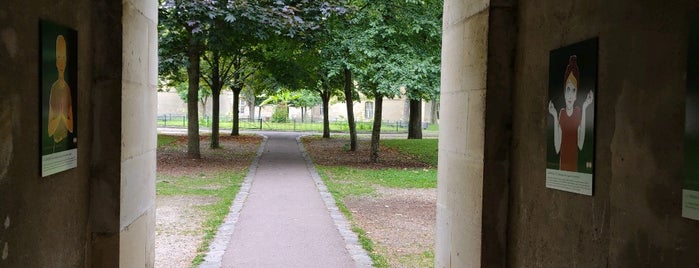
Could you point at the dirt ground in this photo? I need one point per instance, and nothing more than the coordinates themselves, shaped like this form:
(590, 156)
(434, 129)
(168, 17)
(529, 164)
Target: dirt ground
(333, 152)
(178, 229)
(173, 160)
(401, 222)
(178, 218)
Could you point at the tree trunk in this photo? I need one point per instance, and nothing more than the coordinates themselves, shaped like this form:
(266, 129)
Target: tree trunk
(433, 113)
(376, 129)
(215, 119)
(216, 85)
(350, 109)
(236, 116)
(251, 107)
(415, 122)
(193, 54)
(325, 96)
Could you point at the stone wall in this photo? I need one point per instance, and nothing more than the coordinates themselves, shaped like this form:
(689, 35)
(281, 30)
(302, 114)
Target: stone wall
(634, 217)
(493, 208)
(100, 214)
(44, 221)
(139, 108)
(462, 133)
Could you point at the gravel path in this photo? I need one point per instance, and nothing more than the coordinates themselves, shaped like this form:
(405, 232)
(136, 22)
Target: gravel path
(178, 230)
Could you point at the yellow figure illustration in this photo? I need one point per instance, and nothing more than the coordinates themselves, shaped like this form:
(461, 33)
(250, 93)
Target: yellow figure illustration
(60, 103)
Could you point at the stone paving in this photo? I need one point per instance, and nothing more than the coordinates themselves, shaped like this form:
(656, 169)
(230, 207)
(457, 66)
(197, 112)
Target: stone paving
(284, 216)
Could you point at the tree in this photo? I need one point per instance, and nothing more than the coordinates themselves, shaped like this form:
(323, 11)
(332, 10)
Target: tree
(349, 92)
(421, 73)
(298, 64)
(291, 21)
(181, 26)
(234, 29)
(379, 58)
(305, 100)
(255, 86)
(389, 38)
(329, 87)
(338, 54)
(281, 99)
(192, 27)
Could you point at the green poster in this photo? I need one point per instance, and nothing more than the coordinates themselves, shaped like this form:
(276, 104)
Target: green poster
(690, 183)
(59, 93)
(571, 117)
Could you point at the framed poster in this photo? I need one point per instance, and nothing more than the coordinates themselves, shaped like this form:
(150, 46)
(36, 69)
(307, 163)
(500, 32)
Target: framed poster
(571, 117)
(690, 181)
(59, 91)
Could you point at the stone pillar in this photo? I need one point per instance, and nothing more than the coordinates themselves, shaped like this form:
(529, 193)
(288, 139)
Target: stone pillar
(138, 135)
(478, 42)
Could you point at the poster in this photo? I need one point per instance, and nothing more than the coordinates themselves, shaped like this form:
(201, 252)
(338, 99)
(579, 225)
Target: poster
(571, 117)
(59, 92)
(690, 182)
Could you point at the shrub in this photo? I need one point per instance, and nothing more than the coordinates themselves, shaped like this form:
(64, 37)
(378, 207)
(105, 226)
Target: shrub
(281, 114)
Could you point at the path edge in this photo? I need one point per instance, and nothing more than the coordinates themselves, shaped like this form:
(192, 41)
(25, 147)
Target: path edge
(359, 255)
(220, 243)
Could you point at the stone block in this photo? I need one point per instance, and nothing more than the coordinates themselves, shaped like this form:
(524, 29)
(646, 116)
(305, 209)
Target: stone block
(149, 9)
(136, 53)
(153, 53)
(137, 118)
(136, 244)
(464, 55)
(459, 211)
(137, 187)
(454, 120)
(475, 128)
(457, 11)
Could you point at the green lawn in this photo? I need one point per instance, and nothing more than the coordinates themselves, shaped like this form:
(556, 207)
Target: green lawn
(347, 181)
(343, 181)
(307, 126)
(424, 150)
(164, 140)
(224, 186)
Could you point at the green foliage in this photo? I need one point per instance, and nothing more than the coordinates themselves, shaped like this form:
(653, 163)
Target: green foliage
(389, 44)
(226, 34)
(281, 97)
(305, 98)
(424, 150)
(281, 113)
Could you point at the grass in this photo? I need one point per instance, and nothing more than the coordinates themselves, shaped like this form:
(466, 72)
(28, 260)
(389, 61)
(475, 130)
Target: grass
(368, 245)
(224, 186)
(307, 126)
(345, 181)
(165, 140)
(424, 150)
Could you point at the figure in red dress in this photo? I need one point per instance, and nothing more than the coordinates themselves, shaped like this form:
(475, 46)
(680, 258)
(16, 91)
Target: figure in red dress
(569, 122)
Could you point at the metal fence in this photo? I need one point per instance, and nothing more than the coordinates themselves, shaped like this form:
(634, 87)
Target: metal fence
(308, 125)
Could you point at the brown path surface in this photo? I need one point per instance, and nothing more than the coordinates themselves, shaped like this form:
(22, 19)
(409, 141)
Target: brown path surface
(284, 222)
